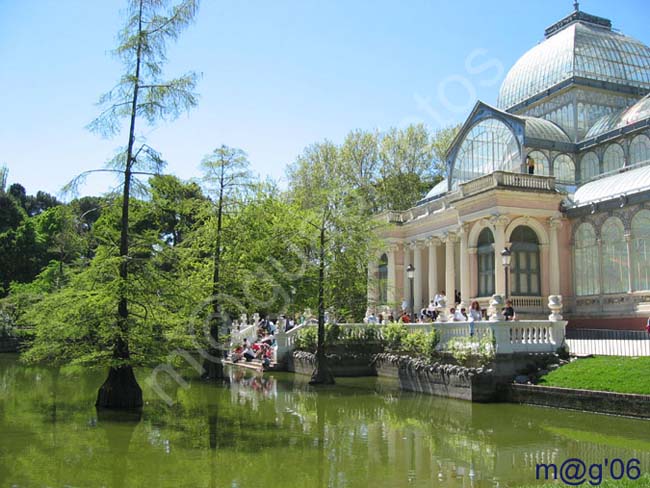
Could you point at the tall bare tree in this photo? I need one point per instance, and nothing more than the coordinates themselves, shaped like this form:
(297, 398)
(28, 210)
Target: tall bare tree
(141, 93)
(226, 177)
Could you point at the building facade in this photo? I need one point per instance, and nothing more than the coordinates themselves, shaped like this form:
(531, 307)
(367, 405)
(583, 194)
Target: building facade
(558, 173)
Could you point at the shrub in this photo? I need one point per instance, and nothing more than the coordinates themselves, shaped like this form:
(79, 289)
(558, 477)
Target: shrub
(467, 349)
(307, 339)
(393, 335)
(421, 343)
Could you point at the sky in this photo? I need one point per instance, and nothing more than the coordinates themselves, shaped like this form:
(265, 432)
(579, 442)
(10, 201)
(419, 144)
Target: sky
(276, 76)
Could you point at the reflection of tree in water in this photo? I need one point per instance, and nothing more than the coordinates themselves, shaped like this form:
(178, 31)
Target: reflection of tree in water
(277, 431)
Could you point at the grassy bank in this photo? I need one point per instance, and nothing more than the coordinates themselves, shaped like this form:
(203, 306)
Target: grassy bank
(604, 373)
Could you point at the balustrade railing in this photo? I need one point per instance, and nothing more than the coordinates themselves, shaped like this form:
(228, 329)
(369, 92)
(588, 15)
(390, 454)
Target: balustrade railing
(529, 336)
(507, 179)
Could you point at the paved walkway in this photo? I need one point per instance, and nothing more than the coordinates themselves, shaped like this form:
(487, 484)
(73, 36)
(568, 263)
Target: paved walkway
(602, 342)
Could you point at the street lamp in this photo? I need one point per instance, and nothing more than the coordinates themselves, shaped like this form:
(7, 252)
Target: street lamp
(410, 273)
(506, 257)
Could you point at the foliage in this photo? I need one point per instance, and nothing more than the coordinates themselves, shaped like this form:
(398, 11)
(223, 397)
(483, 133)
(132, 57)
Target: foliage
(603, 373)
(394, 335)
(467, 350)
(306, 339)
(421, 343)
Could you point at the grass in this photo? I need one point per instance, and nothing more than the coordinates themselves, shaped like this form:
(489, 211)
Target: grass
(604, 373)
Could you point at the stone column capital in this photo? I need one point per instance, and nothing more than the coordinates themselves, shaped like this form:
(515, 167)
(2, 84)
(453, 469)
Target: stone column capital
(394, 247)
(472, 250)
(432, 241)
(416, 244)
(449, 237)
(500, 221)
(555, 223)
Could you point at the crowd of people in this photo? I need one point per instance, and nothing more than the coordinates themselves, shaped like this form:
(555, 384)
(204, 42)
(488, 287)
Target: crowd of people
(457, 312)
(262, 348)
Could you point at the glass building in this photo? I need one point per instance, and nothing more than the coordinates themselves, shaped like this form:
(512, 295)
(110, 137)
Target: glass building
(558, 172)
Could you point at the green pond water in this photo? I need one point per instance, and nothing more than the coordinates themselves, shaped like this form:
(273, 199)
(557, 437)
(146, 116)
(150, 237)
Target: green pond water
(276, 431)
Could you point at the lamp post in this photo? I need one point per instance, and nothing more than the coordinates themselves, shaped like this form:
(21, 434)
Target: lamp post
(410, 273)
(506, 257)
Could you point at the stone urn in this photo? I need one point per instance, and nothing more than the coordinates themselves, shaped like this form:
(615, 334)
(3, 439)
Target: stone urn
(497, 304)
(555, 304)
(442, 310)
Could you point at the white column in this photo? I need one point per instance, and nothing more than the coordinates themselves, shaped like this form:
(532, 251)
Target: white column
(433, 243)
(450, 271)
(392, 276)
(417, 279)
(373, 284)
(464, 266)
(499, 243)
(406, 292)
(554, 256)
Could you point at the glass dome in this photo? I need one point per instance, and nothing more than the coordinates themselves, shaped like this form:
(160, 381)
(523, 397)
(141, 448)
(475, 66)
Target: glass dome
(638, 111)
(578, 50)
(488, 146)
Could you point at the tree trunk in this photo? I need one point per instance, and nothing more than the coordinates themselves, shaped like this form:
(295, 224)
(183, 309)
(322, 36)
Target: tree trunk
(213, 367)
(322, 375)
(120, 390)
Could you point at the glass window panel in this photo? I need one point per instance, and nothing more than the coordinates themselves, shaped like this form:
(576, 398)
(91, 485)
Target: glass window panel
(489, 146)
(564, 169)
(586, 261)
(613, 159)
(641, 249)
(640, 149)
(615, 272)
(589, 166)
(525, 261)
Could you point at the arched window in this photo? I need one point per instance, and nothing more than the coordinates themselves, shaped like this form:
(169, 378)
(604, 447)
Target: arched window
(640, 149)
(485, 263)
(524, 269)
(641, 250)
(382, 278)
(615, 272)
(587, 276)
(613, 159)
(564, 170)
(540, 161)
(589, 167)
(489, 146)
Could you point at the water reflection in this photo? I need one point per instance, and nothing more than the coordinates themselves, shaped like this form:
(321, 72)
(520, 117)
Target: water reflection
(278, 431)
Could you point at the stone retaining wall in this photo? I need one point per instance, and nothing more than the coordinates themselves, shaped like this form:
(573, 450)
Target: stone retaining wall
(351, 366)
(586, 400)
(473, 384)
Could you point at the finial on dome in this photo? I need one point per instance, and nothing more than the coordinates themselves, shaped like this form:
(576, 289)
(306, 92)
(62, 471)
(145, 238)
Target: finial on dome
(576, 5)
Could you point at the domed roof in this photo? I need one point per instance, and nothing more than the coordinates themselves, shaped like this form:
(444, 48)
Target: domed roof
(639, 111)
(579, 46)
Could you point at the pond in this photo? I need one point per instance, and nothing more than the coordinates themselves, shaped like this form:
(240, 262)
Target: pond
(276, 431)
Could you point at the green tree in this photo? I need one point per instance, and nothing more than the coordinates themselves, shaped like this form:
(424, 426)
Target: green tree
(338, 214)
(141, 93)
(441, 142)
(226, 177)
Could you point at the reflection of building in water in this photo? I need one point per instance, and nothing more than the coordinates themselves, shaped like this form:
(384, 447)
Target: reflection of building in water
(559, 173)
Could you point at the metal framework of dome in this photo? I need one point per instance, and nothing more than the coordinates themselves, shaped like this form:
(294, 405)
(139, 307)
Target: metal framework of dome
(579, 48)
(637, 112)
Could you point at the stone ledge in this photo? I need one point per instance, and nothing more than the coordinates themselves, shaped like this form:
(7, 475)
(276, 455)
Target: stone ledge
(626, 404)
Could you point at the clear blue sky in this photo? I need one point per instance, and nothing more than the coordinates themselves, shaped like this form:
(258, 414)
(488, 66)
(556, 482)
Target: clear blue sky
(277, 75)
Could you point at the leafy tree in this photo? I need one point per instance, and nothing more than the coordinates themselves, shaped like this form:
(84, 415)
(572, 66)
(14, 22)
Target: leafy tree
(441, 141)
(18, 192)
(226, 176)
(176, 206)
(141, 93)
(338, 214)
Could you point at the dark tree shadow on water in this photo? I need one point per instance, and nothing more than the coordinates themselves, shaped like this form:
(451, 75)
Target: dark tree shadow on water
(118, 426)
